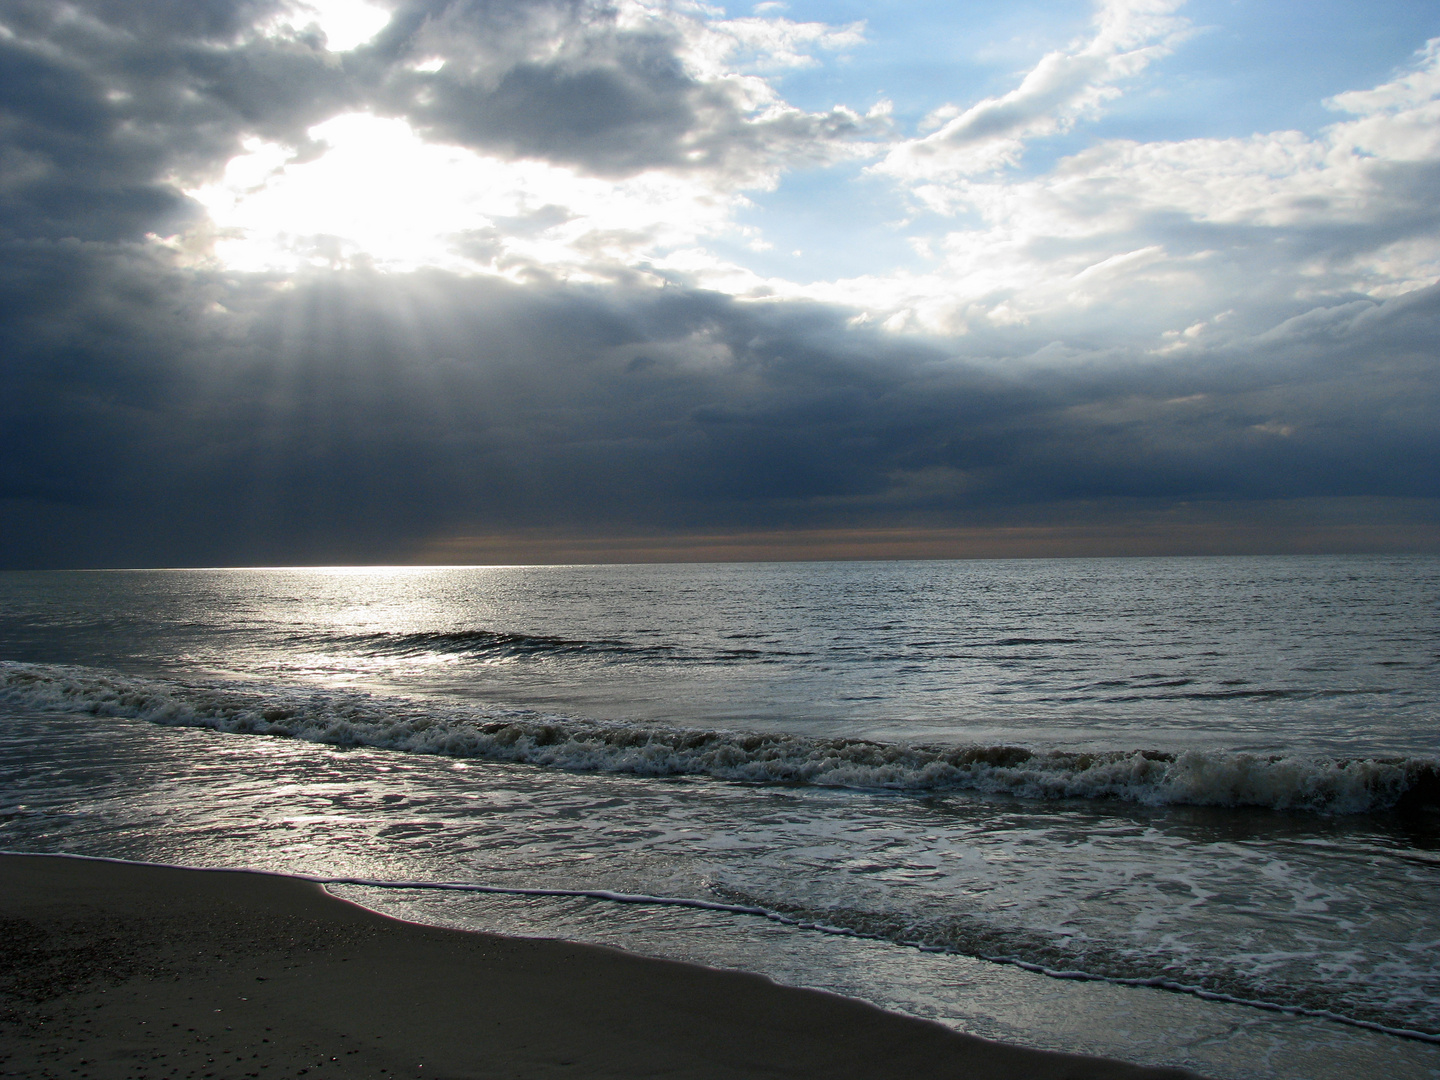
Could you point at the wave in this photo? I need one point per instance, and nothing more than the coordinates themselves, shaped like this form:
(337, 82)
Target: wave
(505, 645)
(485, 644)
(1203, 777)
(492, 645)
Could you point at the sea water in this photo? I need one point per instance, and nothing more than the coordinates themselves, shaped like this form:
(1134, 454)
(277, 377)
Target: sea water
(1181, 811)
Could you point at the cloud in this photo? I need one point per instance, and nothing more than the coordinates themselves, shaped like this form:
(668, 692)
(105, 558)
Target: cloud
(187, 417)
(345, 24)
(1144, 239)
(382, 196)
(1064, 87)
(107, 104)
(266, 299)
(611, 91)
(239, 132)
(116, 112)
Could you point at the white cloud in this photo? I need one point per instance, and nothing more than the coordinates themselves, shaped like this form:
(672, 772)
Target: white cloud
(1162, 234)
(1065, 86)
(766, 43)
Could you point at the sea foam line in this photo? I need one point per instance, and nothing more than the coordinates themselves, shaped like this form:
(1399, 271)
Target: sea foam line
(1197, 777)
(608, 895)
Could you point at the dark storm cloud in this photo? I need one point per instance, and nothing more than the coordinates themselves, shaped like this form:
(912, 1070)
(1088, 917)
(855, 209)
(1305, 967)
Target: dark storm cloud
(565, 81)
(157, 415)
(106, 105)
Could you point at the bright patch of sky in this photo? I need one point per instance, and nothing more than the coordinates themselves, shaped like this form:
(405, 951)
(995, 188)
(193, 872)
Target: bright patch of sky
(1147, 163)
(356, 204)
(346, 24)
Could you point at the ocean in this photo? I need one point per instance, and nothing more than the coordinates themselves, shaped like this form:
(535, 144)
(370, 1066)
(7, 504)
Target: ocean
(1179, 811)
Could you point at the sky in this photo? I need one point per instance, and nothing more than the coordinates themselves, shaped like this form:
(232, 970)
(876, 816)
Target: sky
(467, 281)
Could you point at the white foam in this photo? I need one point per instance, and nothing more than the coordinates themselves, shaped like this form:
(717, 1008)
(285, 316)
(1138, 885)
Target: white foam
(1170, 985)
(1203, 777)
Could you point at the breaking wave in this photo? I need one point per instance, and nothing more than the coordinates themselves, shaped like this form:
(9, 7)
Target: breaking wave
(1193, 777)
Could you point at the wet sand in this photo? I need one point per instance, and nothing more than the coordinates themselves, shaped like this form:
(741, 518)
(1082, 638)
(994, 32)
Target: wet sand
(112, 970)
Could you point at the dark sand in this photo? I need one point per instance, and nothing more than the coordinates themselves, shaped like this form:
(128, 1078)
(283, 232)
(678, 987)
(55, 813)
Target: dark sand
(111, 970)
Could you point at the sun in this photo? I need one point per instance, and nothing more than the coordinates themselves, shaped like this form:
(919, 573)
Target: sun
(380, 196)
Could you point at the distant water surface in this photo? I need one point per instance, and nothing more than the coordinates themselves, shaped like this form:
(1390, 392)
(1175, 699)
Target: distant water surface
(1217, 776)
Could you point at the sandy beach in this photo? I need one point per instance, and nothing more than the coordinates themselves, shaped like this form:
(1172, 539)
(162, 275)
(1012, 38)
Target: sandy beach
(113, 970)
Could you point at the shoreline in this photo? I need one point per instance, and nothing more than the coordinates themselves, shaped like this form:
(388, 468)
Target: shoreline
(114, 969)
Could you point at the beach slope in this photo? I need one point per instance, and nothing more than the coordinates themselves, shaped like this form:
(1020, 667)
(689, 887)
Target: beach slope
(121, 970)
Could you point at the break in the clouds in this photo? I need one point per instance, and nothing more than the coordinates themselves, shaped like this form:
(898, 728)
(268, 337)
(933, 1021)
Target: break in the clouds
(459, 279)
